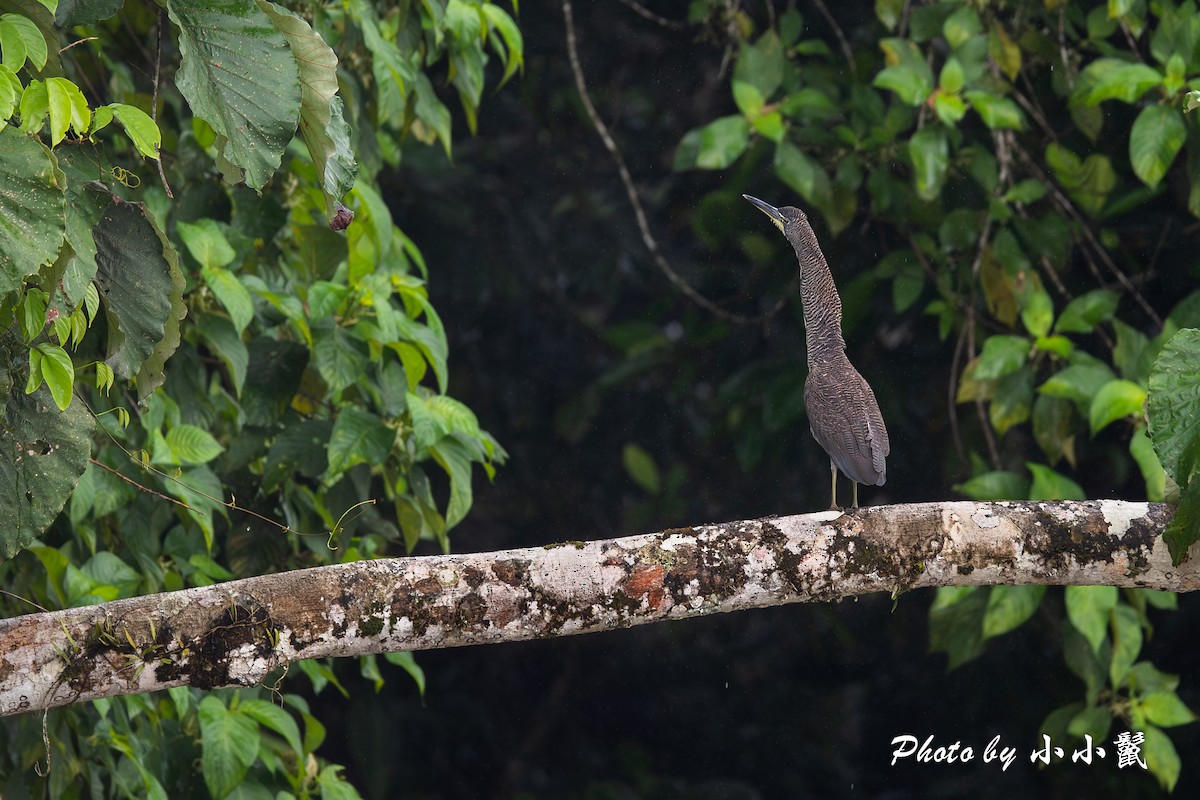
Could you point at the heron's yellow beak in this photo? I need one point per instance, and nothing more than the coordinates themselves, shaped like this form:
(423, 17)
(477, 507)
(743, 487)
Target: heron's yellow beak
(771, 211)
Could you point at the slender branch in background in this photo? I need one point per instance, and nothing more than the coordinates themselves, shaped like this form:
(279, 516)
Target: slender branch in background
(631, 190)
(646, 13)
(1062, 47)
(952, 397)
(947, 291)
(162, 175)
(1086, 231)
(903, 26)
(841, 37)
(242, 632)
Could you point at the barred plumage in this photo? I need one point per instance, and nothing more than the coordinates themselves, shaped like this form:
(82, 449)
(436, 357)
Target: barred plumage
(843, 414)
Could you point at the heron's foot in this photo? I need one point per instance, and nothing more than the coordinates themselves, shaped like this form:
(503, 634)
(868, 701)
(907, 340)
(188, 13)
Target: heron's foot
(837, 508)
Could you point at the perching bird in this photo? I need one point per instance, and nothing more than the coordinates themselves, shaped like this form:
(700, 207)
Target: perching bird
(842, 412)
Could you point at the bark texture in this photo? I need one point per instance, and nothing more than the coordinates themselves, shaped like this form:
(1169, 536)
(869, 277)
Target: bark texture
(236, 633)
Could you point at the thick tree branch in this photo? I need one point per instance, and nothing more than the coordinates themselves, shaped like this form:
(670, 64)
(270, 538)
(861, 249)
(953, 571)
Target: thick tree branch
(235, 633)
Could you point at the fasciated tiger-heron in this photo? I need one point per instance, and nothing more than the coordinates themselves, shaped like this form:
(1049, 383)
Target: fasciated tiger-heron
(842, 411)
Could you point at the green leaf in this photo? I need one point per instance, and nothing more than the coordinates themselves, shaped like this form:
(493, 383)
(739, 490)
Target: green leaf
(272, 716)
(907, 73)
(139, 126)
(228, 743)
(996, 112)
(1157, 137)
(1115, 400)
(760, 65)
(1184, 530)
(58, 372)
(1088, 609)
(1078, 383)
(1114, 79)
(1089, 182)
(231, 294)
(238, 74)
(888, 12)
(1127, 643)
(206, 242)
(1086, 663)
(1038, 313)
(961, 25)
(1051, 485)
(721, 142)
(1009, 606)
(1001, 355)
(799, 171)
(358, 437)
(1174, 402)
(640, 466)
(1004, 51)
(67, 108)
(999, 485)
(930, 155)
(272, 379)
(338, 359)
(1085, 312)
(32, 225)
(956, 623)
(43, 451)
(1094, 721)
(191, 445)
(1165, 709)
(911, 85)
(333, 787)
(1161, 757)
(108, 569)
(747, 98)
(405, 661)
(226, 344)
(21, 41)
(950, 108)
(142, 287)
(1052, 427)
(1012, 400)
(1151, 468)
(322, 123)
(500, 21)
(455, 459)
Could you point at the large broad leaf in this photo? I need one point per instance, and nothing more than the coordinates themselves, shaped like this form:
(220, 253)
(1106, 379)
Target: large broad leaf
(86, 202)
(1114, 79)
(321, 122)
(272, 379)
(43, 452)
(721, 142)
(32, 226)
(229, 741)
(1174, 404)
(761, 64)
(1158, 135)
(239, 75)
(137, 274)
(930, 154)
(358, 437)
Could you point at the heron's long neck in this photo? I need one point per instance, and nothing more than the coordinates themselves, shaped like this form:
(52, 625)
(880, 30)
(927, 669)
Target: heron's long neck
(819, 297)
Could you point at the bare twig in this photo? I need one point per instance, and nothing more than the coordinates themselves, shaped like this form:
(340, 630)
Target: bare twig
(162, 175)
(841, 37)
(657, 19)
(651, 243)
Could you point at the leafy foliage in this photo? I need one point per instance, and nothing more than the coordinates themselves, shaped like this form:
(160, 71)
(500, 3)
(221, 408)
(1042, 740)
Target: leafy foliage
(281, 365)
(959, 144)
